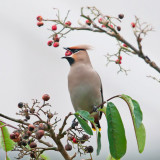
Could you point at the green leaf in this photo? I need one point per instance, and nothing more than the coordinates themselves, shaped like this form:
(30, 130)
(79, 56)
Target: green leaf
(98, 142)
(111, 158)
(44, 157)
(86, 115)
(141, 137)
(5, 141)
(116, 132)
(136, 114)
(84, 125)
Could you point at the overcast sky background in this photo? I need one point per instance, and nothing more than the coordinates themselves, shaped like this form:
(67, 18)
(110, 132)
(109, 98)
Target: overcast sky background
(29, 68)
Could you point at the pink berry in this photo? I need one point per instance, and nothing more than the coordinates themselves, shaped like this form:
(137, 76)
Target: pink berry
(88, 22)
(120, 57)
(118, 61)
(68, 53)
(100, 20)
(103, 26)
(124, 45)
(55, 44)
(68, 23)
(54, 27)
(39, 18)
(110, 25)
(40, 23)
(133, 25)
(49, 43)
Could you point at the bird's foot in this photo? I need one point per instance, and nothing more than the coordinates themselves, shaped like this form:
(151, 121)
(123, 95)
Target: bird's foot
(95, 109)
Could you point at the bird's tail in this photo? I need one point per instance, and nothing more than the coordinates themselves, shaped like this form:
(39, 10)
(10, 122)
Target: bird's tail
(94, 127)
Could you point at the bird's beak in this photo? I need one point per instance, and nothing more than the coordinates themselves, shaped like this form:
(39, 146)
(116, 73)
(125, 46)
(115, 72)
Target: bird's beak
(64, 57)
(66, 48)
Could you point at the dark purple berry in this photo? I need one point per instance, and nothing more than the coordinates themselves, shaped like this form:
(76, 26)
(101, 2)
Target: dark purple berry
(20, 104)
(68, 147)
(121, 16)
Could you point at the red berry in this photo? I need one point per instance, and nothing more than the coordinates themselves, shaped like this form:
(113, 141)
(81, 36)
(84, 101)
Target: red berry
(56, 38)
(68, 53)
(31, 127)
(68, 23)
(100, 20)
(56, 44)
(39, 18)
(39, 24)
(39, 134)
(33, 145)
(120, 57)
(45, 97)
(124, 45)
(54, 27)
(74, 140)
(88, 22)
(133, 25)
(103, 26)
(110, 25)
(118, 61)
(49, 43)
(121, 16)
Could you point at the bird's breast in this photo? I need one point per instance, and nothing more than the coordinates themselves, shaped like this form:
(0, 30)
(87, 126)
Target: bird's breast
(84, 87)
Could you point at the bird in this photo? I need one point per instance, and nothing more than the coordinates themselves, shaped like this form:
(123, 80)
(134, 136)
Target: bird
(84, 83)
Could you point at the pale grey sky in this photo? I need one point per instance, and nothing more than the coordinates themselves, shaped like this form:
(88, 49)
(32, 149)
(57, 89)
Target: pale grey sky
(29, 68)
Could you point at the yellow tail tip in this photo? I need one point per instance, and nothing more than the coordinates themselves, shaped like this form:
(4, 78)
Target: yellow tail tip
(93, 129)
(99, 129)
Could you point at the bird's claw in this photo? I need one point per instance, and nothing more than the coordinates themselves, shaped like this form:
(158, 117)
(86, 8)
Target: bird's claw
(74, 123)
(95, 109)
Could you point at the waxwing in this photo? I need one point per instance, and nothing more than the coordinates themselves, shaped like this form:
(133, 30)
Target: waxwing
(84, 83)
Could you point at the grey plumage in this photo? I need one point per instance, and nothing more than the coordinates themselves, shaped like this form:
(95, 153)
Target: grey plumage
(84, 84)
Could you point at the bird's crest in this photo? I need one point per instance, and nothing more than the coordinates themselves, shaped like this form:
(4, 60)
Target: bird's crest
(82, 46)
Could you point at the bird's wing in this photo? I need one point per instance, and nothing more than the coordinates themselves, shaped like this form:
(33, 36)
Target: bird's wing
(101, 90)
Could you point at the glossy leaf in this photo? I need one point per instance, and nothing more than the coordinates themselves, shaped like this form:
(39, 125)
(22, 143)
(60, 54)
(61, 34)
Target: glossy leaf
(98, 142)
(5, 141)
(84, 125)
(141, 137)
(86, 115)
(116, 132)
(136, 114)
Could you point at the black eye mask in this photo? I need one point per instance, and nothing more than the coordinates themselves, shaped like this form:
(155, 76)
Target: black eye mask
(75, 50)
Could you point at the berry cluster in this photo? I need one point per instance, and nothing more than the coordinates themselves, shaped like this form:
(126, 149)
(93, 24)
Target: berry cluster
(119, 60)
(31, 134)
(56, 39)
(79, 141)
